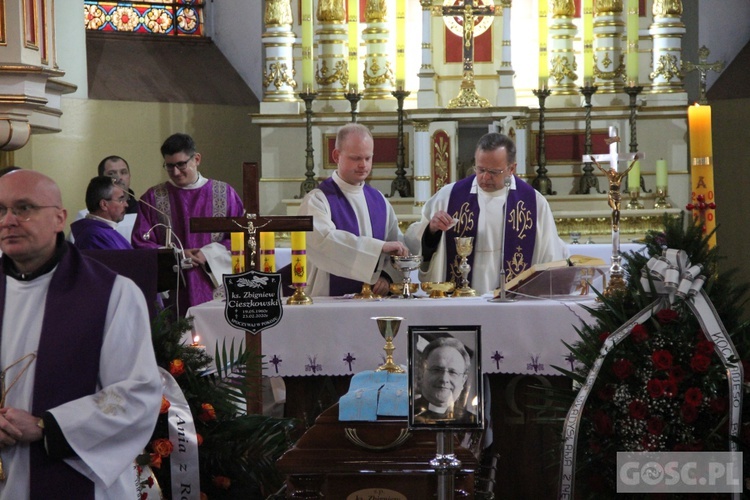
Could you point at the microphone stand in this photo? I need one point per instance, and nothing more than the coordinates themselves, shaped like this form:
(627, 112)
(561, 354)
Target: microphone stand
(503, 297)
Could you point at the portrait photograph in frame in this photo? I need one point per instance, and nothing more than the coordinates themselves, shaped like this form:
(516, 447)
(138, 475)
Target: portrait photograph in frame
(445, 377)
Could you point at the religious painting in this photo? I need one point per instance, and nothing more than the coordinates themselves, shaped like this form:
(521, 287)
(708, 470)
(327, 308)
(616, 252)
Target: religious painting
(445, 377)
(567, 146)
(30, 23)
(385, 150)
(454, 35)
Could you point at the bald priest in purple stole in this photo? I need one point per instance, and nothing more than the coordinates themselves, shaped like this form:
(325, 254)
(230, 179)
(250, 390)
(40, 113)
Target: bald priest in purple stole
(355, 229)
(476, 205)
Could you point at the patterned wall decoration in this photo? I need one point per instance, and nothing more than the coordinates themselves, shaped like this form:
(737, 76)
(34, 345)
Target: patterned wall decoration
(166, 17)
(441, 160)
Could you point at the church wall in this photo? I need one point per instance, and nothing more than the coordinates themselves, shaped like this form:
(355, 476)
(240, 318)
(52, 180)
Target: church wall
(70, 37)
(94, 129)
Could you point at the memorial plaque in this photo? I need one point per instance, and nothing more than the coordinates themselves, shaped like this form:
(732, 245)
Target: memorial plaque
(253, 300)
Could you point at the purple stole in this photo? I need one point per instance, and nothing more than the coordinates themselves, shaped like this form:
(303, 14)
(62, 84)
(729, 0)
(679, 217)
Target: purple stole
(343, 216)
(67, 364)
(520, 227)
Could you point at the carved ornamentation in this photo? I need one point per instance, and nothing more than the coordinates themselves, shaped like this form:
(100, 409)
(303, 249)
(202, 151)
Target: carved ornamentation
(331, 11)
(667, 8)
(340, 73)
(667, 67)
(376, 11)
(602, 7)
(278, 12)
(561, 68)
(279, 75)
(374, 76)
(609, 75)
(563, 8)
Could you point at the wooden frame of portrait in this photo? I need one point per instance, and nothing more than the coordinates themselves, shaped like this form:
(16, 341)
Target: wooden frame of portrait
(465, 411)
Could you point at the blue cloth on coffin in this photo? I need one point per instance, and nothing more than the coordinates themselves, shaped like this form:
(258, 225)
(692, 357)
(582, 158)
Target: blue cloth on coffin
(372, 394)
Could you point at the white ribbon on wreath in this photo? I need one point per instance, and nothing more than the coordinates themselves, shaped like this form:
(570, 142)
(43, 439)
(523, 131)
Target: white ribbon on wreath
(671, 277)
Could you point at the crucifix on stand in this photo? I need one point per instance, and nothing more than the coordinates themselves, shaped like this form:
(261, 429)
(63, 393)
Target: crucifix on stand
(468, 11)
(702, 67)
(251, 225)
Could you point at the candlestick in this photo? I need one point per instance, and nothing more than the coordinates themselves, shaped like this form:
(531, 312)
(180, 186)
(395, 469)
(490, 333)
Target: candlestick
(631, 69)
(268, 252)
(400, 44)
(238, 252)
(353, 45)
(543, 56)
(308, 73)
(588, 42)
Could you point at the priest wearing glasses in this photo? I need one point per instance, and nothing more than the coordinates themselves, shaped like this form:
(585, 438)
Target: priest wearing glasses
(476, 206)
(173, 203)
(81, 391)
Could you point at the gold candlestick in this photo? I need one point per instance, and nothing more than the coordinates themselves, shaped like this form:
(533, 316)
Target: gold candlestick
(634, 203)
(299, 297)
(661, 198)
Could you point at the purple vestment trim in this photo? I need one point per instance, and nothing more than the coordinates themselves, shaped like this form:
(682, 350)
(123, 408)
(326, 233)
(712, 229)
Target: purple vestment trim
(520, 227)
(92, 234)
(343, 216)
(67, 364)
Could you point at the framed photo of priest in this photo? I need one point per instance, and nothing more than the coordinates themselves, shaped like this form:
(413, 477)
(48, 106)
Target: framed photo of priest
(445, 377)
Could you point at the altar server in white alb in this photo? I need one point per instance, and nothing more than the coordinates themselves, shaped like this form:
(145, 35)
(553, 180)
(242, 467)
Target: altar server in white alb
(475, 206)
(355, 229)
(82, 390)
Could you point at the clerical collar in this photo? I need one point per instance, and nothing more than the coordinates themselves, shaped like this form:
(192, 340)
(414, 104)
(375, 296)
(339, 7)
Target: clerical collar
(199, 183)
(492, 194)
(437, 409)
(345, 186)
(9, 267)
(108, 222)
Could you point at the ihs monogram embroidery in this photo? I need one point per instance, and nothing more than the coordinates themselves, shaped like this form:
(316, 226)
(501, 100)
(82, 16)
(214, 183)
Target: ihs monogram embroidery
(521, 219)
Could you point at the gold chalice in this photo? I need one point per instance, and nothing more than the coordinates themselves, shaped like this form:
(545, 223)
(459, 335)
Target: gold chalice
(438, 290)
(406, 265)
(388, 327)
(464, 247)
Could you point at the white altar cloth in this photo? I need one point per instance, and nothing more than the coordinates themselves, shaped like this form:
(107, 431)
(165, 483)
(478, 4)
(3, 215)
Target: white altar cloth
(336, 336)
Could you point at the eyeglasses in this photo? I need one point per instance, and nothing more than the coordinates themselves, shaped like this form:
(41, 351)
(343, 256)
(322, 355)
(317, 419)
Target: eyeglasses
(180, 165)
(23, 213)
(491, 173)
(121, 199)
(439, 372)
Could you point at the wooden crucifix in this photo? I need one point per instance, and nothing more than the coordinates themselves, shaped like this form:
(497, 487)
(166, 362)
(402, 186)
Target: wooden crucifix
(252, 227)
(468, 11)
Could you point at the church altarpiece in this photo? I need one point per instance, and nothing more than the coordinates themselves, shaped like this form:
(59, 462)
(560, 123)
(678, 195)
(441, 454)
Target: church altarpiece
(438, 140)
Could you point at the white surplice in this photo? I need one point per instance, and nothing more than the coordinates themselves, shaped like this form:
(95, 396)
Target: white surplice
(335, 251)
(488, 242)
(107, 430)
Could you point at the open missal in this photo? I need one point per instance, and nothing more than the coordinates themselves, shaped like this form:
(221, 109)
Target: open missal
(572, 276)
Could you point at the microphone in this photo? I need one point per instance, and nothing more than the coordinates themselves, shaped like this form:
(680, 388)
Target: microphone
(502, 297)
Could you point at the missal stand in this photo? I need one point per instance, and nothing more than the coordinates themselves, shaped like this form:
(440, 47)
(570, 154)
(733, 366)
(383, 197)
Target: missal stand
(251, 224)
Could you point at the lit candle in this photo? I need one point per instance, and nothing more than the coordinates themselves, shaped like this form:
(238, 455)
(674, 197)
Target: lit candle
(588, 42)
(400, 44)
(701, 143)
(268, 252)
(299, 258)
(353, 9)
(543, 61)
(634, 177)
(632, 38)
(307, 46)
(238, 252)
(661, 173)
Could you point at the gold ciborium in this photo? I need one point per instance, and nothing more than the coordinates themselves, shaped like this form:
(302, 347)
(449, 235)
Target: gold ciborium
(406, 265)
(366, 293)
(464, 247)
(388, 326)
(437, 290)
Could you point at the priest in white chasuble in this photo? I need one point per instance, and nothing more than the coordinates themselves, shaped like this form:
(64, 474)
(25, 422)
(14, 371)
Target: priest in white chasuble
(355, 229)
(476, 206)
(81, 390)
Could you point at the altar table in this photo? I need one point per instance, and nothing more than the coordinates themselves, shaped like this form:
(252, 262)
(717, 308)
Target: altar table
(336, 336)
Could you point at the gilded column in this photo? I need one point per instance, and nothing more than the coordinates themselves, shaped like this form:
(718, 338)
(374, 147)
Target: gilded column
(609, 57)
(426, 97)
(378, 73)
(332, 72)
(506, 91)
(422, 157)
(667, 31)
(279, 82)
(562, 61)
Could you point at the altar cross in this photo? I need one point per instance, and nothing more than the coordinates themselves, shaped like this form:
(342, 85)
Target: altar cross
(467, 11)
(702, 67)
(251, 226)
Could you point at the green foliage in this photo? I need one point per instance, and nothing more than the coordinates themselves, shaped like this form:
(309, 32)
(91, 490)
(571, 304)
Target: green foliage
(238, 451)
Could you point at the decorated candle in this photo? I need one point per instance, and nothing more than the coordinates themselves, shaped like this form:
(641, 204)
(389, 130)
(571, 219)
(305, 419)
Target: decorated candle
(543, 56)
(299, 258)
(661, 173)
(307, 46)
(268, 252)
(634, 177)
(701, 168)
(400, 44)
(631, 68)
(238, 252)
(353, 45)
(588, 42)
